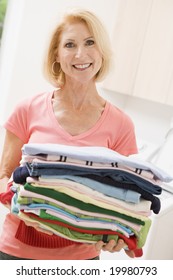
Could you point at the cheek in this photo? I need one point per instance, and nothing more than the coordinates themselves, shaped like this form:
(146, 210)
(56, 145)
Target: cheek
(64, 56)
(65, 61)
(99, 60)
(98, 56)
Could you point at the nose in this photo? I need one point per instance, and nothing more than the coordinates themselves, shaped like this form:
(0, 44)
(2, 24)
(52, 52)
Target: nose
(80, 51)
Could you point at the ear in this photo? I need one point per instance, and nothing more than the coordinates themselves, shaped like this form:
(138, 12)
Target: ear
(57, 59)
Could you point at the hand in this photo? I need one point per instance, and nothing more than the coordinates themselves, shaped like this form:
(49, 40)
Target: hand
(3, 184)
(8, 206)
(3, 189)
(130, 253)
(112, 246)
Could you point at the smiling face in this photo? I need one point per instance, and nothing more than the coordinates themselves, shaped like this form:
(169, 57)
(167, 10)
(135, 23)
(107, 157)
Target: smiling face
(78, 53)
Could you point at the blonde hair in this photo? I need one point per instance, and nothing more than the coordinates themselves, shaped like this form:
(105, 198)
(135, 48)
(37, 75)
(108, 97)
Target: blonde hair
(53, 69)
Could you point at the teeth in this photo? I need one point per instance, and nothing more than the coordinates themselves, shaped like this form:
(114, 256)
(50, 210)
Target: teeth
(82, 66)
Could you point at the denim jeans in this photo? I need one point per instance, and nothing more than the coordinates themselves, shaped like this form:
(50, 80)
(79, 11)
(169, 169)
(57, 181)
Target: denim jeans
(4, 256)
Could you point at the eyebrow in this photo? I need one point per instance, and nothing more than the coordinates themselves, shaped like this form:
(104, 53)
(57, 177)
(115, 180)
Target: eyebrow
(91, 37)
(84, 39)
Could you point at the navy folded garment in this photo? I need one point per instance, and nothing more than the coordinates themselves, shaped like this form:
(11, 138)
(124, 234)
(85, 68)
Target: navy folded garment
(20, 174)
(119, 175)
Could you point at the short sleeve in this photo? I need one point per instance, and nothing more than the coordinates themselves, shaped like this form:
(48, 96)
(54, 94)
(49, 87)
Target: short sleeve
(17, 122)
(126, 143)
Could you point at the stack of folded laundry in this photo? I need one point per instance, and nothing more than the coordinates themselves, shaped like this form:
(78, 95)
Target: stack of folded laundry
(87, 194)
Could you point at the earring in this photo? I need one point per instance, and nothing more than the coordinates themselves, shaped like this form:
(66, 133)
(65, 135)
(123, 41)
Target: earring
(53, 64)
(60, 68)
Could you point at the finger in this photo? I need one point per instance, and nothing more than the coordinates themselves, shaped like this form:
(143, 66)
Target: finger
(109, 246)
(112, 246)
(99, 245)
(7, 205)
(118, 247)
(130, 253)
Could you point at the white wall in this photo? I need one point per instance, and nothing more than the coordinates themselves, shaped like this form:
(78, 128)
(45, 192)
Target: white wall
(152, 120)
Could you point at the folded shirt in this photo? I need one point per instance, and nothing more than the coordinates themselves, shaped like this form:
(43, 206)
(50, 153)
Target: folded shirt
(77, 236)
(90, 154)
(118, 175)
(86, 194)
(27, 198)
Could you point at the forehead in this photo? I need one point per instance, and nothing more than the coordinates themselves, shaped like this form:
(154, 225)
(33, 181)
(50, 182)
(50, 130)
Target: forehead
(75, 30)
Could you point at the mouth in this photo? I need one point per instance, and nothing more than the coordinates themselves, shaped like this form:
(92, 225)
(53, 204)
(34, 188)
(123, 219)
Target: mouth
(82, 67)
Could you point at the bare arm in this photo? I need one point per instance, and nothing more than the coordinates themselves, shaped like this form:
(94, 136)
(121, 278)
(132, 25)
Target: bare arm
(11, 157)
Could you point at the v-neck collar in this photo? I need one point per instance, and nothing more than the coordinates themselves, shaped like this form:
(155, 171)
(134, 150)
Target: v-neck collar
(61, 130)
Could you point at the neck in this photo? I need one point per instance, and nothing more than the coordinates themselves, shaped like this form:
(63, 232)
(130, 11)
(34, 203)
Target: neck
(79, 95)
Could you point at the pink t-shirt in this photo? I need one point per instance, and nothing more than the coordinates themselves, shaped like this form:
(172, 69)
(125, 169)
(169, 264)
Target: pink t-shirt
(33, 121)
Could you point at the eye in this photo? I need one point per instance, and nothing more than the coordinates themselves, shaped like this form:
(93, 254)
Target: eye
(90, 42)
(69, 45)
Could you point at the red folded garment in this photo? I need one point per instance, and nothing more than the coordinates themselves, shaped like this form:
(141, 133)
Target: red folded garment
(131, 241)
(30, 236)
(5, 197)
(138, 252)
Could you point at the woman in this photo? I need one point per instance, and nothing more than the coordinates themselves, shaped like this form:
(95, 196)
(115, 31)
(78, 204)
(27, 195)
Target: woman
(73, 114)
